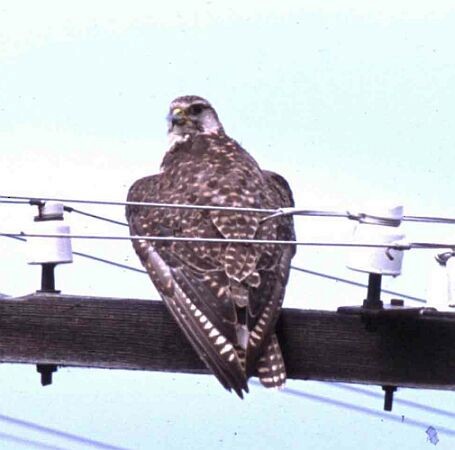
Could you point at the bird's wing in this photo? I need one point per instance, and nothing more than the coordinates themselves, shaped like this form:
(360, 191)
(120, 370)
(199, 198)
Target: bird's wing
(264, 354)
(258, 273)
(189, 280)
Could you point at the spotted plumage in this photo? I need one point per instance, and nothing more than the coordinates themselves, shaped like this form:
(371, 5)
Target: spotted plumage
(226, 297)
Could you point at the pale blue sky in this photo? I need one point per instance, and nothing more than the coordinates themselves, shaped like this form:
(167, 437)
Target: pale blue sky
(352, 101)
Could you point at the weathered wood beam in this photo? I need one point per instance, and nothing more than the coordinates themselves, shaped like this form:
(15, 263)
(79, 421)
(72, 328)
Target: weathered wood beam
(139, 334)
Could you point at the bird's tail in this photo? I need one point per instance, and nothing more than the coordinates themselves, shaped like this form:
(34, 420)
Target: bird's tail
(270, 366)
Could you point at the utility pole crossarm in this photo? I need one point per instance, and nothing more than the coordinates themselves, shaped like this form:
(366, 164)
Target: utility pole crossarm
(140, 334)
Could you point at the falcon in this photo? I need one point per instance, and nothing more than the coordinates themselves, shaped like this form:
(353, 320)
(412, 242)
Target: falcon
(225, 296)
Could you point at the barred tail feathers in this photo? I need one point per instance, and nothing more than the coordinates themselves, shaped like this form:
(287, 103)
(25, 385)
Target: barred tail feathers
(270, 367)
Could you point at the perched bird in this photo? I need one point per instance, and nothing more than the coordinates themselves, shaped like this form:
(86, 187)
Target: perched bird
(225, 297)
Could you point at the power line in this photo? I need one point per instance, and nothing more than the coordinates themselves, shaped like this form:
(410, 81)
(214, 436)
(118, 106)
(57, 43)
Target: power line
(272, 212)
(428, 219)
(94, 216)
(30, 443)
(308, 271)
(394, 246)
(61, 434)
(142, 204)
(299, 269)
(311, 272)
(362, 409)
(400, 401)
(14, 202)
(109, 262)
(18, 238)
(356, 283)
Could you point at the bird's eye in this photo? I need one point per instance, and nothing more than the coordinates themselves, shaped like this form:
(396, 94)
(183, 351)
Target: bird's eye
(194, 110)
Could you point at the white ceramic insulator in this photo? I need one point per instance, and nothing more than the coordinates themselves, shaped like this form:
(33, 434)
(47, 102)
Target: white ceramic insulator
(383, 261)
(437, 287)
(54, 250)
(450, 268)
(52, 209)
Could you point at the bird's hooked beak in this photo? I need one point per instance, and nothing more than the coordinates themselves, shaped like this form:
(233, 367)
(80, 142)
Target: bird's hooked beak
(177, 117)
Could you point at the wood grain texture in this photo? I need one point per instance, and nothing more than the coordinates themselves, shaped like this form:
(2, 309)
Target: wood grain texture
(140, 334)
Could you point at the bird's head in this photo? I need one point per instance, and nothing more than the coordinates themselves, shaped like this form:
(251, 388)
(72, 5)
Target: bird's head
(190, 115)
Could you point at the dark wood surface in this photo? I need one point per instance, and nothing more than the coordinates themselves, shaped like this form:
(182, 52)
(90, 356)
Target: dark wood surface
(140, 334)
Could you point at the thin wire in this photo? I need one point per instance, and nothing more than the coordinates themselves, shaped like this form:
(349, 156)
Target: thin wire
(309, 213)
(30, 443)
(15, 202)
(394, 246)
(364, 410)
(61, 434)
(109, 262)
(214, 240)
(94, 216)
(274, 212)
(93, 257)
(19, 238)
(400, 401)
(306, 212)
(142, 204)
(355, 283)
(361, 217)
(299, 269)
(311, 272)
(427, 219)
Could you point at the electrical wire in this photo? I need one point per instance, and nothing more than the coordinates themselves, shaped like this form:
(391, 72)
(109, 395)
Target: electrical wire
(394, 246)
(57, 433)
(400, 401)
(30, 443)
(14, 202)
(361, 409)
(272, 212)
(299, 269)
(356, 283)
(311, 272)
(109, 262)
(427, 219)
(142, 204)
(94, 216)
(221, 240)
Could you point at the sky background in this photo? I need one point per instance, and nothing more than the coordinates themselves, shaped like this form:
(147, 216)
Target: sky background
(350, 100)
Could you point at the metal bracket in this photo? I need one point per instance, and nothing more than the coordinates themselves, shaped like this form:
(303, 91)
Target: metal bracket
(373, 312)
(46, 371)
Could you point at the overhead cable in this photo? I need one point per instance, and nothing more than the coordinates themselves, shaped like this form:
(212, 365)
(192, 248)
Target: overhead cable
(142, 204)
(361, 409)
(270, 211)
(58, 433)
(299, 269)
(29, 443)
(404, 402)
(356, 283)
(402, 245)
(94, 216)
